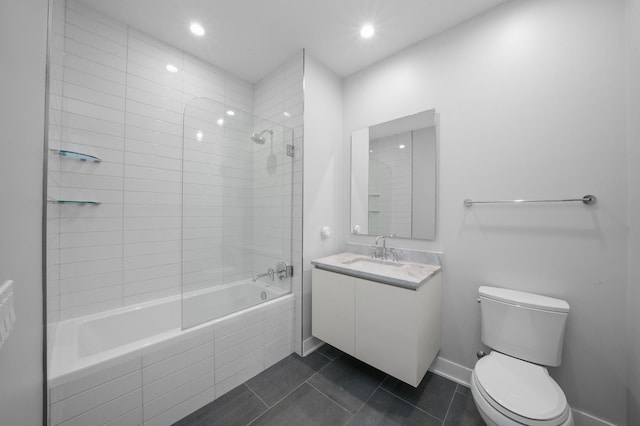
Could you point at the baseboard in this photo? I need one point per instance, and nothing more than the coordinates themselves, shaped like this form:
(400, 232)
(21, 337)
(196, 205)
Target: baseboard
(452, 371)
(580, 418)
(311, 344)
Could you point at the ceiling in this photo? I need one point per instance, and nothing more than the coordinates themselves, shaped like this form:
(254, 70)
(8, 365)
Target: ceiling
(251, 38)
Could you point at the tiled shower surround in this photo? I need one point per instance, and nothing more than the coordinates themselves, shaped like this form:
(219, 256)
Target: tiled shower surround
(216, 212)
(112, 97)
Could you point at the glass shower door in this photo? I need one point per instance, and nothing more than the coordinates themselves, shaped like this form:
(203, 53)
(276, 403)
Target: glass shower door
(236, 211)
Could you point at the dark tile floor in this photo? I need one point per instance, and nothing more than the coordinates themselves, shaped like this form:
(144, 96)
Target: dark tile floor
(329, 387)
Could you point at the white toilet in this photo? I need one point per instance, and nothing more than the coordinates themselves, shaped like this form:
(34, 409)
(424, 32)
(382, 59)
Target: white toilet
(511, 385)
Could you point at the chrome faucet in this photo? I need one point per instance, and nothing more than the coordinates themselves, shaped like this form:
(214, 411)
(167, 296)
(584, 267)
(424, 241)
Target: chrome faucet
(282, 270)
(270, 273)
(384, 245)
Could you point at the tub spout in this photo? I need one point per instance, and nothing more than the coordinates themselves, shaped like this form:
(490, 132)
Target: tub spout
(270, 273)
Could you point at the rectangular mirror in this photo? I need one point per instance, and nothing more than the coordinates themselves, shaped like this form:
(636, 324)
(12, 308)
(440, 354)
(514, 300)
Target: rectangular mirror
(393, 178)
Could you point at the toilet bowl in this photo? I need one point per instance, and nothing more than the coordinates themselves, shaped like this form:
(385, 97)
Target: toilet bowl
(511, 392)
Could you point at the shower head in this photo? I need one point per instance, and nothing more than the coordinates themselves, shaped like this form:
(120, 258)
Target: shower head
(259, 139)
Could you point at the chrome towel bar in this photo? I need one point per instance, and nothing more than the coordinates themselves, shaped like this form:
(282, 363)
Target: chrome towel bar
(587, 199)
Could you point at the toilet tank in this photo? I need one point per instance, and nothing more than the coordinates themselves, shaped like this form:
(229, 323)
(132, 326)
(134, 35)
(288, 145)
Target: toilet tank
(523, 325)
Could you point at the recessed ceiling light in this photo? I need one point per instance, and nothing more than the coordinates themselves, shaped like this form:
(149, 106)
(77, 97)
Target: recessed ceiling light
(199, 135)
(401, 146)
(196, 29)
(172, 68)
(220, 121)
(367, 31)
(286, 114)
(231, 113)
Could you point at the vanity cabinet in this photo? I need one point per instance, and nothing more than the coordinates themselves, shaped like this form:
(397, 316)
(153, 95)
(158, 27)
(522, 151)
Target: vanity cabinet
(394, 329)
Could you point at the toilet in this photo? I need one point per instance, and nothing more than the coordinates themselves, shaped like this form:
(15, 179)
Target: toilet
(511, 386)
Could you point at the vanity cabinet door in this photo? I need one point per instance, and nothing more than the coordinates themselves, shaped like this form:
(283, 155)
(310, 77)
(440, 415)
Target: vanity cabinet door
(398, 330)
(386, 328)
(332, 309)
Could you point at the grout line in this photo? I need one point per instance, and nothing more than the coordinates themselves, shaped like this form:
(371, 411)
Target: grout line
(180, 403)
(461, 386)
(124, 157)
(87, 410)
(449, 408)
(278, 402)
(411, 404)
(292, 391)
(367, 400)
(109, 381)
(327, 357)
(257, 396)
(332, 400)
(317, 372)
(142, 404)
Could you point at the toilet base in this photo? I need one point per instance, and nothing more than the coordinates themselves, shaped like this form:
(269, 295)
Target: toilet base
(493, 417)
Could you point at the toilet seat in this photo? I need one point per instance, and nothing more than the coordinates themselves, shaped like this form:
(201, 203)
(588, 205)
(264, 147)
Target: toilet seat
(522, 391)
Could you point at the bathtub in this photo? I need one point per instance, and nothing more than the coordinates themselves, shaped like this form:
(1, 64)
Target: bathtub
(136, 365)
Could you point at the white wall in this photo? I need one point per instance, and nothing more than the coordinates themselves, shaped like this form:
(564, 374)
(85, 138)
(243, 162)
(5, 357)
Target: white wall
(22, 124)
(325, 173)
(633, 158)
(530, 99)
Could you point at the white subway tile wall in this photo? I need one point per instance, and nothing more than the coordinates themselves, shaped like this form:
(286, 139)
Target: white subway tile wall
(167, 383)
(113, 97)
(279, 98)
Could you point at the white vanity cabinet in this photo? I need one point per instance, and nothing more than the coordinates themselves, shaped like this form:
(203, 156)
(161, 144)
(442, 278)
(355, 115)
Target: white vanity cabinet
(394, 329)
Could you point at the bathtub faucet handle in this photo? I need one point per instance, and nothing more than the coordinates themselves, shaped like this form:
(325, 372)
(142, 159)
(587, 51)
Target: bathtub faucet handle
(283, 270)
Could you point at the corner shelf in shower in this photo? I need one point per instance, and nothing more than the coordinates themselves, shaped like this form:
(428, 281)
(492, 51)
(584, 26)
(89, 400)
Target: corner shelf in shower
(75, 155)
(73, 202)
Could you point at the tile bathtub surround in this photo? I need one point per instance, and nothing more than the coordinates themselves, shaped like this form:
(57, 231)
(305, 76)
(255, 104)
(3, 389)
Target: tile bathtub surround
(162, 386)
(112, 97)
(331, 388)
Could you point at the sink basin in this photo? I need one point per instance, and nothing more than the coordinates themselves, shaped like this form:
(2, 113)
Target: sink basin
(374, 261)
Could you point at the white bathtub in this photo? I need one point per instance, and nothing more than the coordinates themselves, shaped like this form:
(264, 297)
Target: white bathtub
(91, 354)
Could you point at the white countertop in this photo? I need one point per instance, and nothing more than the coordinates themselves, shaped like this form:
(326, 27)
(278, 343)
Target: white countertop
(410, 275)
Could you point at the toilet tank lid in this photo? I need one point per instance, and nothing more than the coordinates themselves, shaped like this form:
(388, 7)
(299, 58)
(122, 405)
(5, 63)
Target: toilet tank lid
(522, 298)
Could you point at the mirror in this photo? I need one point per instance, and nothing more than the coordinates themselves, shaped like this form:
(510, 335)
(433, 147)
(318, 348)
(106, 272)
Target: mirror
(393, 178)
